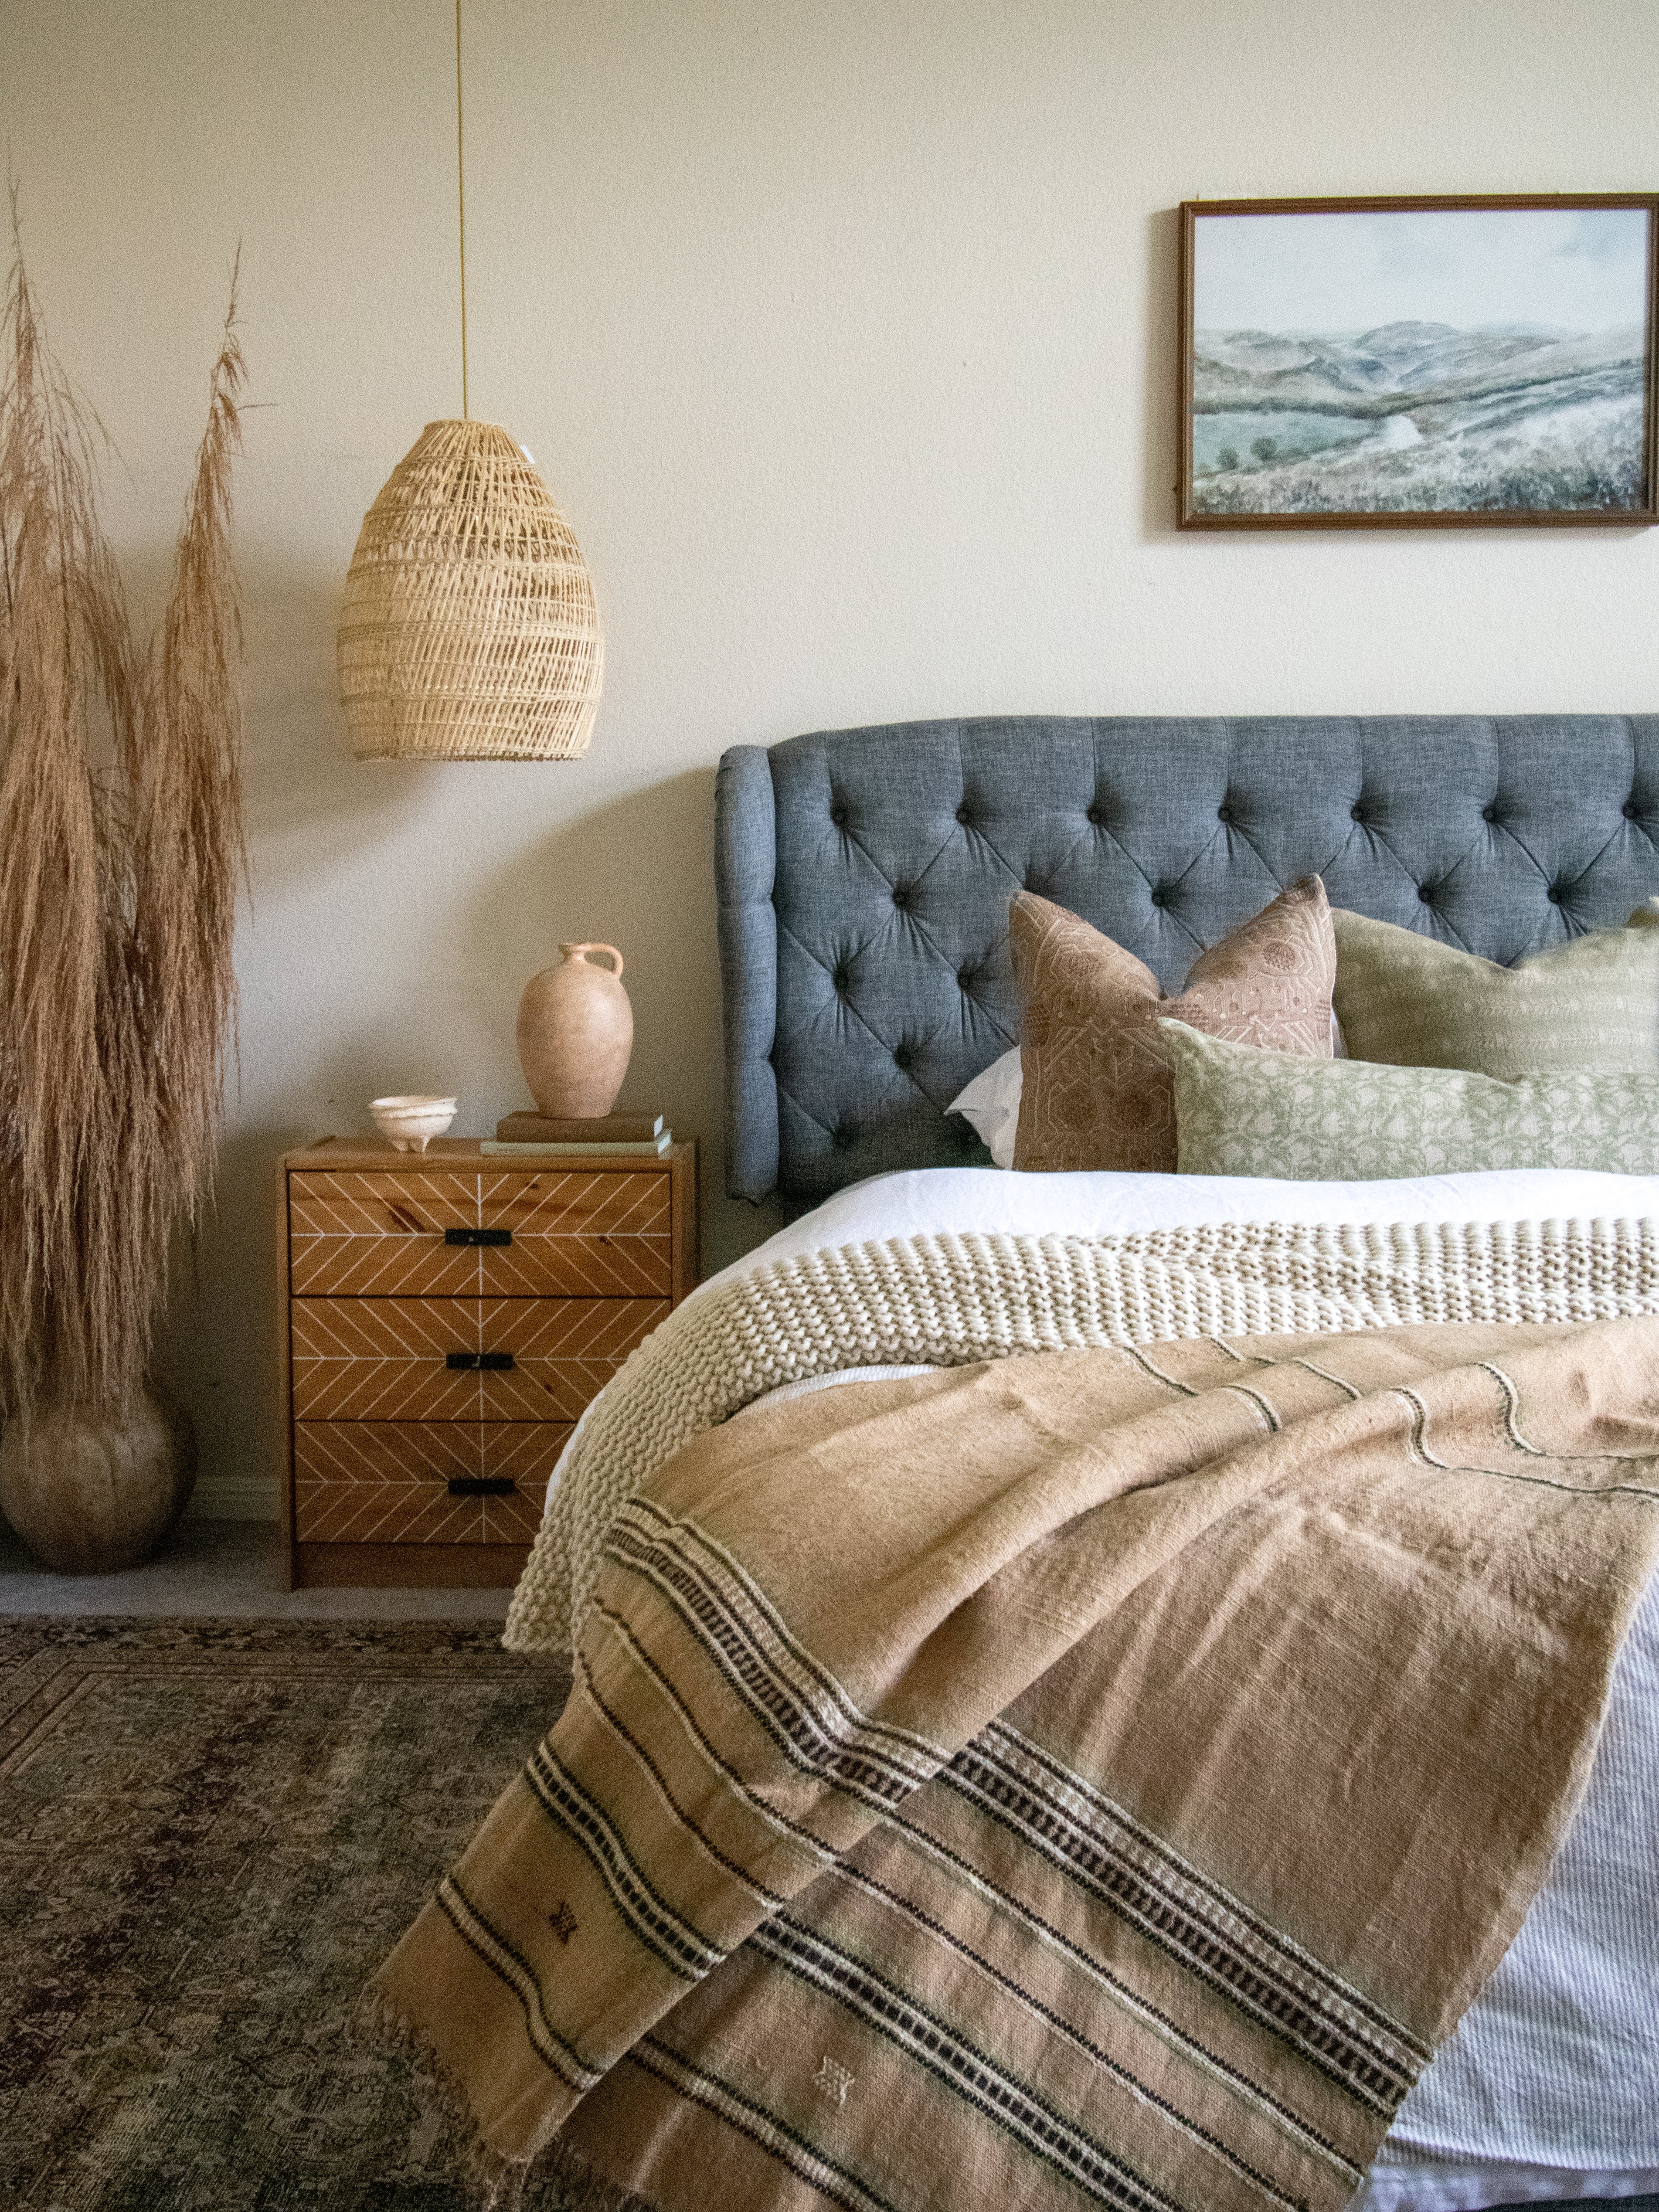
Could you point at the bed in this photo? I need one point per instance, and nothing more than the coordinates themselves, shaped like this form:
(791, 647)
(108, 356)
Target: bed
(864, 884)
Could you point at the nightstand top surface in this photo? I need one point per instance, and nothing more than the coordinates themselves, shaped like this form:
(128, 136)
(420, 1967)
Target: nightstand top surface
(466, 1154)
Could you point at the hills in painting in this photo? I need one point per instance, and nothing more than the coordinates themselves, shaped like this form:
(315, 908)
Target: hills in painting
(1417, 417)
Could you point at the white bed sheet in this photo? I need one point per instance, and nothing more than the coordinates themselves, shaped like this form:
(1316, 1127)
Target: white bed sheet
(1000, 1201)
(1549, 2090)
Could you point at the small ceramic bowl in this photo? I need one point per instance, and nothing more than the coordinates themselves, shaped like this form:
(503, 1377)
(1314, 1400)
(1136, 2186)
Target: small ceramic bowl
(411, 1123)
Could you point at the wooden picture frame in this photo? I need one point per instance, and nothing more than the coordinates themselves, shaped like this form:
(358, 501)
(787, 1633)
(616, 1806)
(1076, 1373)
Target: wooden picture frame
(1325, 384)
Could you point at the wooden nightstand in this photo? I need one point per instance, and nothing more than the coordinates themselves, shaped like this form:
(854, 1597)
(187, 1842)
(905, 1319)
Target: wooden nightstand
(445, 1319)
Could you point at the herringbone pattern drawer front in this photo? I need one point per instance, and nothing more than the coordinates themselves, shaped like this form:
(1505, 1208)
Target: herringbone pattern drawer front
(385, 1359)
(407, 1513)
(564, 1351)
(377, 1235)
(606, 1235)
(386, 1482)
(382, 1234)
(525, 1452)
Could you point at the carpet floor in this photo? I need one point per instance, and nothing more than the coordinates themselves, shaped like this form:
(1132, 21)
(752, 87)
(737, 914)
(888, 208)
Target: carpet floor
(211, 1833)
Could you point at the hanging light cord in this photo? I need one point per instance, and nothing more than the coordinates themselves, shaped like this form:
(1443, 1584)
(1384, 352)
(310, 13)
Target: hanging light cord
(460, 194)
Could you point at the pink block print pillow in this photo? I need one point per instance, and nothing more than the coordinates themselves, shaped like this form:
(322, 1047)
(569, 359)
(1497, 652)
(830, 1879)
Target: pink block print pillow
(1096, 1084)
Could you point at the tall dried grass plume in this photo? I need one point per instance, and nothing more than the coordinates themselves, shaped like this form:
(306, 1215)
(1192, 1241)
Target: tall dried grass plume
(121, 853)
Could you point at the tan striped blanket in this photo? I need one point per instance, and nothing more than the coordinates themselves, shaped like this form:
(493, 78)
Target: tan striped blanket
(953, 1300)
(1094, 1779)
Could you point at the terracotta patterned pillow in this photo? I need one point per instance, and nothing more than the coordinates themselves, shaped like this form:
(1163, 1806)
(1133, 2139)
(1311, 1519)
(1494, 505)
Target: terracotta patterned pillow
(1096, 1087)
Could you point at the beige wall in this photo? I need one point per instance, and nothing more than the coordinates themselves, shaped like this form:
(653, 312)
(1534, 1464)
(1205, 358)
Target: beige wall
(843, 330)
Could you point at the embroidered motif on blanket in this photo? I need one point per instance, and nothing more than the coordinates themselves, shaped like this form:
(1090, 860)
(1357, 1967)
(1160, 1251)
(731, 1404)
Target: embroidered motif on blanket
(646, 1913)
(832, 2179)
(801, 1704)
(1191, 1918)
(832, 2081)
(1020, 2109)
(955, 1300)
(488, 1942)
(563, 1921)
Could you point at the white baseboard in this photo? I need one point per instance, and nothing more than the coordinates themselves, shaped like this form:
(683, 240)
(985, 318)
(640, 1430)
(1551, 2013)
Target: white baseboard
(233, 1498)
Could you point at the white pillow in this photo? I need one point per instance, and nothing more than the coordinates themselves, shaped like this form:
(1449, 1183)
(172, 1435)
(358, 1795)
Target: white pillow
(991, 1104)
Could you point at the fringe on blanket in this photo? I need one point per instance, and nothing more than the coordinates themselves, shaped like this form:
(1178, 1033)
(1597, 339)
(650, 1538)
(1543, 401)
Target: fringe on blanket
(489, 2182)
(581, 2189)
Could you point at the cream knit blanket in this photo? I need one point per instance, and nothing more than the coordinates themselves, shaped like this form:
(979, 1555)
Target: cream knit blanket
(949, 1301)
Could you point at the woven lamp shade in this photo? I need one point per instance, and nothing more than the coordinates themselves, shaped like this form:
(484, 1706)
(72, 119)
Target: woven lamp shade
(469, 631)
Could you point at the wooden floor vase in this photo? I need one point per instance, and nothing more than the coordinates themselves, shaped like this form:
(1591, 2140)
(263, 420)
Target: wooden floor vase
(91, 1497)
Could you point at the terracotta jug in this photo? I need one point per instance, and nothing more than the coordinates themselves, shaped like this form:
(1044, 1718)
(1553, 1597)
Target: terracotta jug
(575, 1032)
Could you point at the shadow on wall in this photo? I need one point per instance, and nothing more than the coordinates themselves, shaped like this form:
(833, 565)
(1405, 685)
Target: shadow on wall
(637, 872)
(306, 800)
(216, 1350)
(1160, 498)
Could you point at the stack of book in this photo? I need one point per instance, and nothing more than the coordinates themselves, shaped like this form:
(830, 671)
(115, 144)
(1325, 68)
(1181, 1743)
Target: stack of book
(643, 1134)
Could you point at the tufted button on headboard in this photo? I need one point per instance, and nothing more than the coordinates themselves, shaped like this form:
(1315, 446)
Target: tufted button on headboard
(864, 876)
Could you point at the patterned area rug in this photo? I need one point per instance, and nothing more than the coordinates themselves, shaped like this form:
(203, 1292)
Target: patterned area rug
(210, 1833)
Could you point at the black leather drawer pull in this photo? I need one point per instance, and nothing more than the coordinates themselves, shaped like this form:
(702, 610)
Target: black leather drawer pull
(477, 1237)
(471, 1362)
(481, 1485)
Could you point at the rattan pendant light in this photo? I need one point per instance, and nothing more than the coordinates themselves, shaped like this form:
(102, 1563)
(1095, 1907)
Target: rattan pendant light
(469, 631)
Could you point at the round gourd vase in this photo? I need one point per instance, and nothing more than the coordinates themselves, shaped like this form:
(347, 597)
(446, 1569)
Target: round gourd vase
(575, 1033)
(91, 1496)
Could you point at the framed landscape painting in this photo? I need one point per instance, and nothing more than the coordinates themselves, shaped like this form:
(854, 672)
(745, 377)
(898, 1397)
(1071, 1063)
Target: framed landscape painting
(1369, 364)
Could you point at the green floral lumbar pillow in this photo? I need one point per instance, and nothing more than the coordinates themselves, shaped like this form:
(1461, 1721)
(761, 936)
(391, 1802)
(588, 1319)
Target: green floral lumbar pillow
(1416, 1002)
(1243, 1111)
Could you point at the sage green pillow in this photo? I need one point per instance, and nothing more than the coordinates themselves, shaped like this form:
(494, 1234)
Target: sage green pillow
(1243, 1111)
(1414, 1002)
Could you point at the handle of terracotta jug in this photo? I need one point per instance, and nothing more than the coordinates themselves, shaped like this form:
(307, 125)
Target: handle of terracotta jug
(585, 949)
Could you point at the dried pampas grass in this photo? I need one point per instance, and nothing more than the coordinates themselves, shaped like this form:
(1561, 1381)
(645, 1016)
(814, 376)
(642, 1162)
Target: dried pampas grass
(120, 852)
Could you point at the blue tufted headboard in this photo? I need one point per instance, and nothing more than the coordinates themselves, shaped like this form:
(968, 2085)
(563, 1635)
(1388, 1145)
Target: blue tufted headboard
(865, 878)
